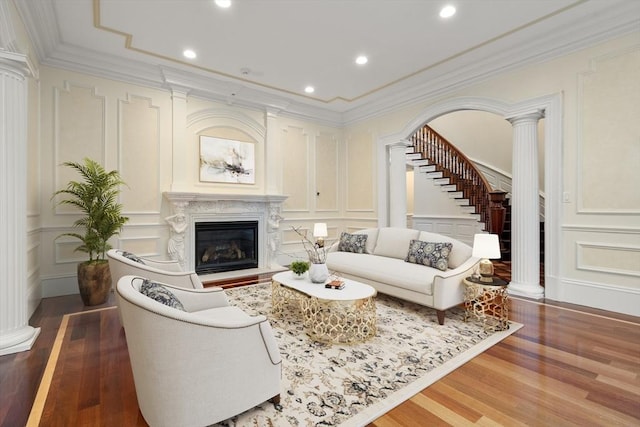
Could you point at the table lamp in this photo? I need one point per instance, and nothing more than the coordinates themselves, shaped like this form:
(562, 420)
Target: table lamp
(320, 232)
(486, 246)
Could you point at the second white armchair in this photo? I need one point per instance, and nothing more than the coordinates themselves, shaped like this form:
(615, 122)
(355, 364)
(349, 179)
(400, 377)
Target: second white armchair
(198, 364)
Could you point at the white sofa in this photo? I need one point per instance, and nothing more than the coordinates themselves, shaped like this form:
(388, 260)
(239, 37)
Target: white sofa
(383, 266)
(198, 366)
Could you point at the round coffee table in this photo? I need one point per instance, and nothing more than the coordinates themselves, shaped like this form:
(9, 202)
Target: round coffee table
(345, 315)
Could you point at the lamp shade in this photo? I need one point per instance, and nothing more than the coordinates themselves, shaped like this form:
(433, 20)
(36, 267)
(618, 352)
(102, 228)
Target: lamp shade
(320, 229)
(486, 246)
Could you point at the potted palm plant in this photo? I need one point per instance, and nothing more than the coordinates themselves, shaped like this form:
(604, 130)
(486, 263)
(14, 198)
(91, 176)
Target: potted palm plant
(96, 197)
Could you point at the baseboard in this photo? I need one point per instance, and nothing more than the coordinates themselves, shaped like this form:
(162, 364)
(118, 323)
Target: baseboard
(606, 297)
(59, 286)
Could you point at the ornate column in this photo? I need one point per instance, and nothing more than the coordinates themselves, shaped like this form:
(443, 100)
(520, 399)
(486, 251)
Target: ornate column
(178, 226)
(525, 209)
(398, 185)
(274, 208)
(15, 333)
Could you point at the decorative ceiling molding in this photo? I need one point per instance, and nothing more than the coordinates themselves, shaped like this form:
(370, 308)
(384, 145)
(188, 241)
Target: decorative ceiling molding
(449, 76)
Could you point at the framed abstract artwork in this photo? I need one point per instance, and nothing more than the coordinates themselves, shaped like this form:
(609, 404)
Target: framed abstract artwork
(226, 160)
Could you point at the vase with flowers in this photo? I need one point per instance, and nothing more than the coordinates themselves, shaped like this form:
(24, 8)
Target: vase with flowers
(318, 271)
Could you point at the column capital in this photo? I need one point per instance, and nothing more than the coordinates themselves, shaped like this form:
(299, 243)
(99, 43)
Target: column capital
(403, 143)
(398, 148)
(179, 92)
(17, 63)
(526, 117)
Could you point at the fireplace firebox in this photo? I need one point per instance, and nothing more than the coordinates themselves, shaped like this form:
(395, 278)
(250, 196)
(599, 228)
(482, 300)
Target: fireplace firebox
(226, 246)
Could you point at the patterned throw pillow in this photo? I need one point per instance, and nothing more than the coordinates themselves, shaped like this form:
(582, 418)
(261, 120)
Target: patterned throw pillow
(352, 243)
(161, 294)
(430, 254)
(132, 257)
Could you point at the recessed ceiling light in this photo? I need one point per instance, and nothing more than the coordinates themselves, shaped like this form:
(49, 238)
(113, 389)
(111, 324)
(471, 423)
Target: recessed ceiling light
(309, 89)
(188, 53)
(361, 60)
(223, 3)
(447, 11)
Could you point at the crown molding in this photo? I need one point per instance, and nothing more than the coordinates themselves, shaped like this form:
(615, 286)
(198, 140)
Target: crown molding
(592, 24)
(40, 21)
(461, 73)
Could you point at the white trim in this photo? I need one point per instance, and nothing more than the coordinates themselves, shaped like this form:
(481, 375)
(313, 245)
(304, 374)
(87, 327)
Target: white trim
(573, 310)
(603, 296)
(601, 229)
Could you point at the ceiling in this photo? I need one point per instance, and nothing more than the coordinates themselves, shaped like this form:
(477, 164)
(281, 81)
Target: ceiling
(263, 53)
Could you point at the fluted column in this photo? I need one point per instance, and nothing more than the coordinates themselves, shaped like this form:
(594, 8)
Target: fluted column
(15, 333)
(398, 185)
(525, 208)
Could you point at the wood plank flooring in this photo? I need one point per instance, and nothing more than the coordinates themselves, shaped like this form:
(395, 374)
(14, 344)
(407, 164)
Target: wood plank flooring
(567, 366)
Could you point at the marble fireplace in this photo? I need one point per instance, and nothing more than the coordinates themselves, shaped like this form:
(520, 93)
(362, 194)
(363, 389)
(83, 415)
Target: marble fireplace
(193, 212)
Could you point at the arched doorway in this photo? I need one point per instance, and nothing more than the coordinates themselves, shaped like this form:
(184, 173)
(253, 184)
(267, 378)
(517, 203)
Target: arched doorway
(521, 115)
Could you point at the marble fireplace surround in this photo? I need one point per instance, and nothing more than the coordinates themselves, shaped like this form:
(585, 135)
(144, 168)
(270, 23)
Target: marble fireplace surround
(191, 208)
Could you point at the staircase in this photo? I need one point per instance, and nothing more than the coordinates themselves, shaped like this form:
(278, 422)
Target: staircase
(505, 237)
(430, 153)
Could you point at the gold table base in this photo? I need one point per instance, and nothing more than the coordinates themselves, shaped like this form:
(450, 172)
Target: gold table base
(489, 304)
(331, 321)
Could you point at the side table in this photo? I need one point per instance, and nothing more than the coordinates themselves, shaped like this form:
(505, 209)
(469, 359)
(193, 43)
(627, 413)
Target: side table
(487, 302)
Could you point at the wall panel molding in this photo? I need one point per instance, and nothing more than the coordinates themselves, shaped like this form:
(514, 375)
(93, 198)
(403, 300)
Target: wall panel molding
(297, 168)
(138, 137)
(609, 91)
(148, 246)
(352, 174)
(205, 119)
(626, 256)
(327, 165)
(458, 227)
(600, 229)
(89, 108)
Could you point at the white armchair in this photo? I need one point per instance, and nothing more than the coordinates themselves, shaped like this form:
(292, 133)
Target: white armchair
(199, 366)
(122, 263)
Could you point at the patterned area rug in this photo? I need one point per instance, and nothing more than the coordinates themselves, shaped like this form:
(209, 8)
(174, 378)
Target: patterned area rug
(352, 385)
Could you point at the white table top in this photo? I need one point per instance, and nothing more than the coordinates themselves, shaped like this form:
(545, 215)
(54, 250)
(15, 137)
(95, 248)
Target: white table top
(352, 290)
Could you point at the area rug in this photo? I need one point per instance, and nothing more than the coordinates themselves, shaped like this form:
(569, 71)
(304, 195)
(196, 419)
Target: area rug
(352, 385)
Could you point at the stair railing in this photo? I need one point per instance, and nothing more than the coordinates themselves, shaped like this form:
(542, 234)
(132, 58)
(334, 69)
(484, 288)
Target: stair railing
(458, 168)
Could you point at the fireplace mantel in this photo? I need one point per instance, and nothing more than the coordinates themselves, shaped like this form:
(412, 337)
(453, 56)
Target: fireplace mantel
(190, 208)
(182, 197)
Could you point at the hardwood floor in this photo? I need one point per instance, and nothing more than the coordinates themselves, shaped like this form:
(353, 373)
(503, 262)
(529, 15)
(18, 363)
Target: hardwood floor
(567, 366)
